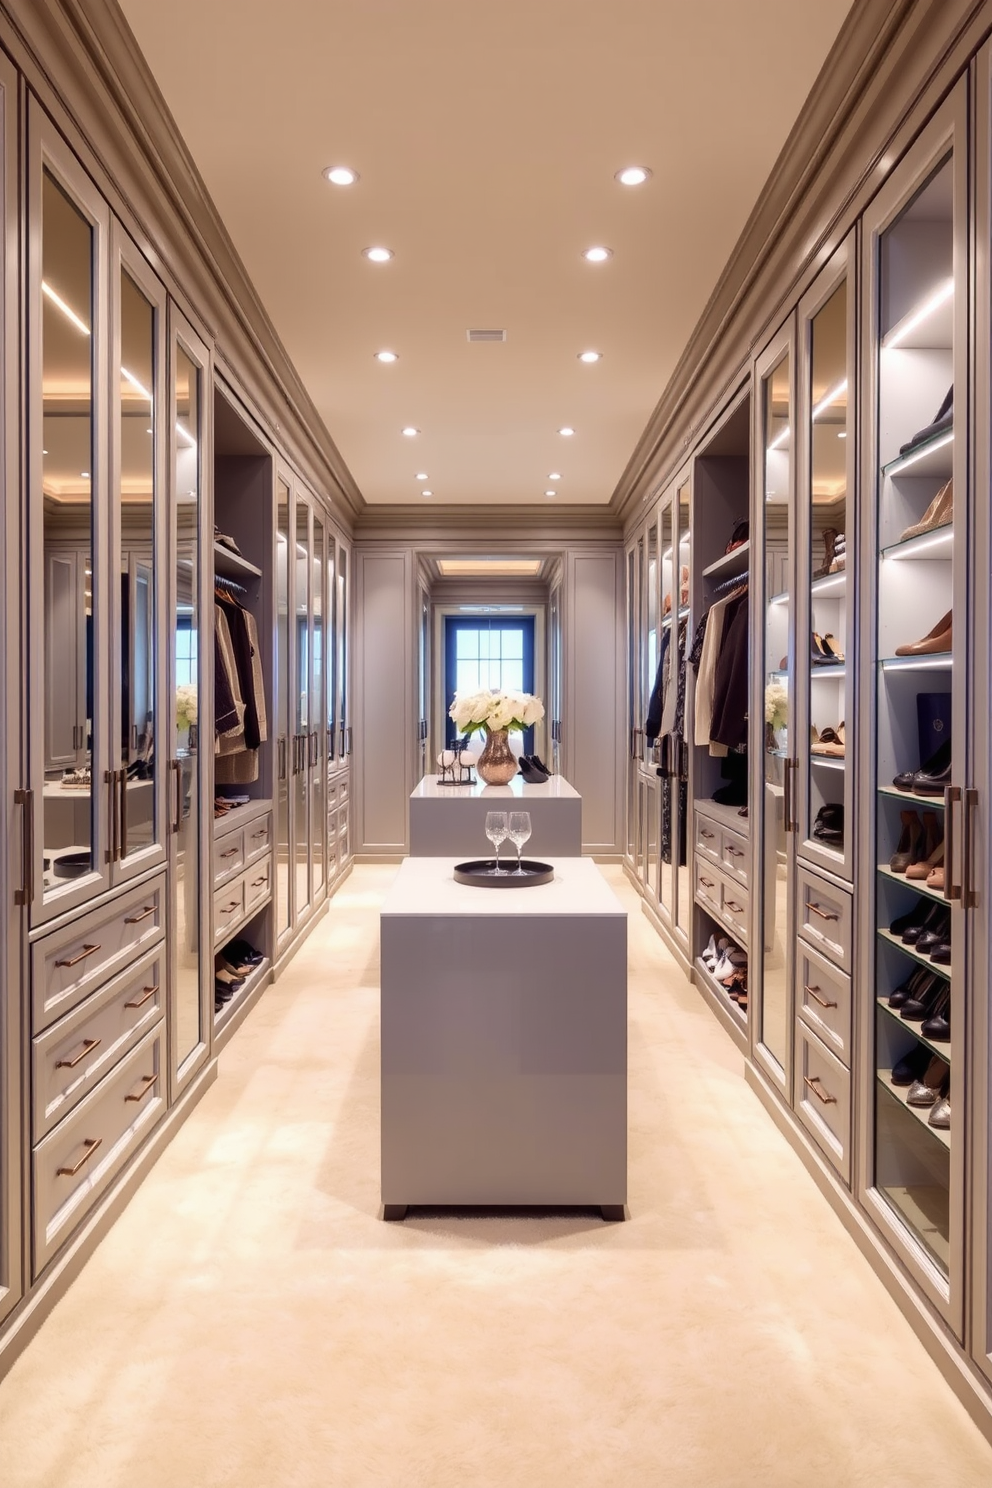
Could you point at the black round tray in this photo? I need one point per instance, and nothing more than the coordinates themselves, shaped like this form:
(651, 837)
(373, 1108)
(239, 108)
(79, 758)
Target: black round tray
(481, 872)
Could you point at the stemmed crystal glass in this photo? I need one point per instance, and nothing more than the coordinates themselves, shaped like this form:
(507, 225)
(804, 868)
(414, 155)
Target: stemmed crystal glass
(497, 832)
(519, 832)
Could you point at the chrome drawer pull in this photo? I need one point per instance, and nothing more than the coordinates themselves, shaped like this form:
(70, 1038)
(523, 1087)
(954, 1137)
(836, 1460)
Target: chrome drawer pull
(814, 1085)
(707, 882)
(231, 853)
(823, 913)
(263, 833)
(230, 908)
(735, 851)
(708, 835)
(88, 1046)
(88, 950)
(814, 992)
(737, 908)
(256, 883)
(91, 1144)
(147, 1082)
(137, 919)
(146, 992)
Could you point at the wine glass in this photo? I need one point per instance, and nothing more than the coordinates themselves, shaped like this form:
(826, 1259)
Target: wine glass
(496, 831)
(519, 832)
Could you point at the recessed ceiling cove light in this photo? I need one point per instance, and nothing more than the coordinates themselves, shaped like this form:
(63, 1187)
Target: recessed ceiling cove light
(590, 356)
(411, 432)
(551, 493)
(633, 175)
(340, 175)
(427, 493)
(566, 433)
(598, 254)
(378, 255)
(421, 475)
(387, 356)
(554, 475)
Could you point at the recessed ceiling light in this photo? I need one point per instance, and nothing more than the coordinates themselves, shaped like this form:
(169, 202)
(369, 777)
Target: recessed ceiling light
(554, 475)
(633, 175)
(410, 431)
(590, 356)
(421, 475)
(842, 434)
(551, 493)
(387, 356)
(84, 475)
(378, 255)
(598, 254)
(341, 175)
(566, 432)
(427, 493)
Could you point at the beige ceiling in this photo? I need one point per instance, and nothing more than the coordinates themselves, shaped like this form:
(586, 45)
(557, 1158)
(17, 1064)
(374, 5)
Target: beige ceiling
(487, 138)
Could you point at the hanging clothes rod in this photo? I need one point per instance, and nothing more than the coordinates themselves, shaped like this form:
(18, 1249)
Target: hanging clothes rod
(739, 581)
(221, 581)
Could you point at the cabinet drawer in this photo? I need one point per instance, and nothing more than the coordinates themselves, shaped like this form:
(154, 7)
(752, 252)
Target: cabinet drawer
(258, 838)
(735, 910)
(709, 887)
(707, 839)
(825, 914)
(258, 884)
(734, 854)
(229, 855)
(74, 1054)
(823, 1098)
(823, 997)
(229, 909)
(76, 1162)
(69, 964)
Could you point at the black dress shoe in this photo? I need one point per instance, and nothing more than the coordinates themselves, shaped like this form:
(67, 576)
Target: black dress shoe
(940, 954)
(915, 1009)
(934, 766)
(931, 918)
(938, 1025)
(934, 935)
(539, 764)
(909, 988)
(911, 1066)
(914, 916)
(531, 776)
(932, 782)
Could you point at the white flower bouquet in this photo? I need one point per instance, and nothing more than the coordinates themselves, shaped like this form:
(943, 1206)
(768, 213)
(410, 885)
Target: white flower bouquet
(493, 711)
(776, 705)
(186, 706)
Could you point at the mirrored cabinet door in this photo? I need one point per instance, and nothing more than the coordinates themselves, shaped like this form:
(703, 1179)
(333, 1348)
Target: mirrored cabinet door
(74, 805)
(190, 757)
(283, 683)
(343, 676)
(301, 703)
(683, 883)
(825, 499)
(657, 681)
(783, 654)
(316, 759)
(331, 653)
(918, 658)
(139, 443)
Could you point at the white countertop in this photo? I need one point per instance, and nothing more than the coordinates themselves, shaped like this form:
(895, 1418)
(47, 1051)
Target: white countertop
(555, 789)
(426, 886)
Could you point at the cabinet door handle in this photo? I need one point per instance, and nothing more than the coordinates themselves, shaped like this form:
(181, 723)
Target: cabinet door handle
(952, 798)
(88, 950)
(824, 914)
(146, 994)
(177, 821)
(91, 1144)
(25, 799)
(149, 909)
(814, 992)
(969, 895)
(147, 1081)
(88, 1046)
(122, 843)
(110, 779)
(815, 1084)
(232, 852)
(350, 731)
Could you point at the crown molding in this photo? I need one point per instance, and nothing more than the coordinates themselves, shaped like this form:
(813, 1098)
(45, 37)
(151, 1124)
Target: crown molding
(889, 66)
(81, 59)
(442, 527)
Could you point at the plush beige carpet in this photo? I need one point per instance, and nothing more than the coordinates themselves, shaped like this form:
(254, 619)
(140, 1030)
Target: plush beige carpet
(250, 1321)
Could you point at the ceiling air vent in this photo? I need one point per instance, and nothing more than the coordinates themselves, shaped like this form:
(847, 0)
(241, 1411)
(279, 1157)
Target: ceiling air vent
(486, 335)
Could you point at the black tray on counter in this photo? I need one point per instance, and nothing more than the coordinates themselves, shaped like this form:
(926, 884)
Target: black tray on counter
(481, 873)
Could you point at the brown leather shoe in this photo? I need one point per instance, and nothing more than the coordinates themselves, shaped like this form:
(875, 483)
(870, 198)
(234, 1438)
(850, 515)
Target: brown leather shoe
(938, 639)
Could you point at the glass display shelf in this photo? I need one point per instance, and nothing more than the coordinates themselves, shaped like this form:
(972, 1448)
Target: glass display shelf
(921, 1113)
(938, 1046)
(730, 564)
(827, 673)
(936, 661)
(934, 545)
(936, 803)
(828, 584)
(933, 456)
(917, 885)
(888, 938)
(827, 761)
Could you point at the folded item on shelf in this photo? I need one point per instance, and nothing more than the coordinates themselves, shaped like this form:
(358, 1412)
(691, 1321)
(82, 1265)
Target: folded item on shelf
(225, 541)
(942, 419)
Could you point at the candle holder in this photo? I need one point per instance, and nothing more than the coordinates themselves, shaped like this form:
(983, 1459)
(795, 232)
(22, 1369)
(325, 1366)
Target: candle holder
(455, 765)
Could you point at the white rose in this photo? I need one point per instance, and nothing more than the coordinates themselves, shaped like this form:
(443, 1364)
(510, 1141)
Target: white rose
(533, 711)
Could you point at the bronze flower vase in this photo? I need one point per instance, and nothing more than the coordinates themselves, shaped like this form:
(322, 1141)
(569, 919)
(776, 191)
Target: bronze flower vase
(496, 764)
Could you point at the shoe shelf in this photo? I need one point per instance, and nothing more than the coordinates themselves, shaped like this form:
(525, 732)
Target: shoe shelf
(829, 584)
(720, 991)
(917, 885)
(933, 456)
(937, 661)
(888, 938)
(934, 546)
(827, 761)
(936, 1046)
(730, 564)
(827, 673)
(934, 803)
(921, 1113)
(222, 1013)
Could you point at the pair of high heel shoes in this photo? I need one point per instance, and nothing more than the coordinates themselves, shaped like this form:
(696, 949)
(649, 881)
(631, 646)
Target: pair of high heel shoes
(825, 651)
(727, 964)
(941, 638)
(533, 769)
(232, 969)
(940, 513)
(929, 1079)
(925, 998)
(830, 741)
(920, 851)
(927, 928)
